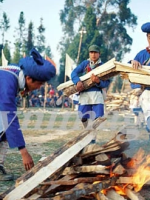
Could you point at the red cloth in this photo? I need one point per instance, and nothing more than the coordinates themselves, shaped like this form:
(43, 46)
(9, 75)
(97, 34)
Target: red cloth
(52, 92)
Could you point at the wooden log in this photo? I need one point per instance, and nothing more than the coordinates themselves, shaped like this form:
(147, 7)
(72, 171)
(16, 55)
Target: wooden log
(86, 153)
(100, 196)
(86, 169)
(139, 78)
(81, 190)
(113, 195)
(49, 189)
(119, 170)
(125, 180)
(126, 67)
(112, 146)
(131, 194)
(73, 182)
(103, 159)
(64, 154)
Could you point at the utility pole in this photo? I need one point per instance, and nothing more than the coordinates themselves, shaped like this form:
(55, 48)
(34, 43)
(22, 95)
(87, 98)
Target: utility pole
(80, 42)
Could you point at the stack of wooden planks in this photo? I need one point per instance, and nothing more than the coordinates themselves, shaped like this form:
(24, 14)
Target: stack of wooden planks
(81, 170)
(117, 101)
(108, 70)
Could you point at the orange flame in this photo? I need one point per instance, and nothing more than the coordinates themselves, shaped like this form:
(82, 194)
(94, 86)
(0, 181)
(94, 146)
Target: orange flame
(141, 164)
(119, 189)
(142, 174)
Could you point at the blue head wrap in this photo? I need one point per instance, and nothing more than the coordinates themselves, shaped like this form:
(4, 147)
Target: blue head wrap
(146, 27)
(37, 67)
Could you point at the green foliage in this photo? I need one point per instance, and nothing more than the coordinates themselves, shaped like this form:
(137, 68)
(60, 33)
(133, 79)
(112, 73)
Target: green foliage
(105, 22)
(117, 86)
(41, 38)
(30, 38)
(7, 52)
(21, 27)
(25, 38)
(1, 47)
(4, 25)
(20, 39)
(48, 52)
(16, 54)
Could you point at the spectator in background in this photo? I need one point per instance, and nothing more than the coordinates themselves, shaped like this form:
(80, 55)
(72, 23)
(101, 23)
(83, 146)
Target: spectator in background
(42, 90)
(52, 91)
(58, 100)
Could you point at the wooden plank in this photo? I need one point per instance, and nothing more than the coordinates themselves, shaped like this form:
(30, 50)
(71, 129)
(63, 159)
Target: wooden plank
(81, 190)
(119, 169)
(132, 194)
(108, 147)
(113, 195)
(21, 190)
(86, 169)
(48, 189)
(106, 66)
(105, 71)
(100, 196)
(103, 159)
(73, 182)
(139, 78)
(47, 160)
(126, 67)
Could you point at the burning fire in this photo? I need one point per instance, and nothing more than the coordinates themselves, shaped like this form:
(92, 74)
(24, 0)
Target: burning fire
(142, 174)
(141, 165)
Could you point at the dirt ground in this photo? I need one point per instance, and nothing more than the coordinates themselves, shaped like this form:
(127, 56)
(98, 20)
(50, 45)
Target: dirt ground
(42, 143)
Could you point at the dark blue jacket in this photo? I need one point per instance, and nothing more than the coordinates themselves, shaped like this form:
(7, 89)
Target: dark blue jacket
(8, 92)
(80, 70)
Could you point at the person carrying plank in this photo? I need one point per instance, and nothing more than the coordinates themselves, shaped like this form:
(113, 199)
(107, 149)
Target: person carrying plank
(91, 101)
(143, 58)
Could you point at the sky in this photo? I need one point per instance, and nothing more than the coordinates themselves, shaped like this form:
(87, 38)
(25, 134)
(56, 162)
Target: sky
(49, 10)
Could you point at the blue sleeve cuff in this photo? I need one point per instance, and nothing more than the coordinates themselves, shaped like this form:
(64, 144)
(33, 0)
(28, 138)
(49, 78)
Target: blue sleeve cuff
(22, 147)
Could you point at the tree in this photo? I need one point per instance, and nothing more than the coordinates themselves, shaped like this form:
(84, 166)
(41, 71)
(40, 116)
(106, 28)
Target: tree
(30, 38)
(16, 53)
(41, 38)
(4, 25)
(20, 36)
(1, 47)
(117, 86)
(48, 52)
(105, 22)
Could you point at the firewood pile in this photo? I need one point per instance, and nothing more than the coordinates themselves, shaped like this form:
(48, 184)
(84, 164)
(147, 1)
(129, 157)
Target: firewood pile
(82, 170)
(117, 101)
(121, 101)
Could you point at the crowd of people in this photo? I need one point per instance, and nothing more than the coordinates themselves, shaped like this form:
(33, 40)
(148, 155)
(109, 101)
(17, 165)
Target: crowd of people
(46, 96)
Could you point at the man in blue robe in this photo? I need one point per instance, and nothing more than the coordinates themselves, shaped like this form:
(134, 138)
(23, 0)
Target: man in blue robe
(91, 101)
(30, 74)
